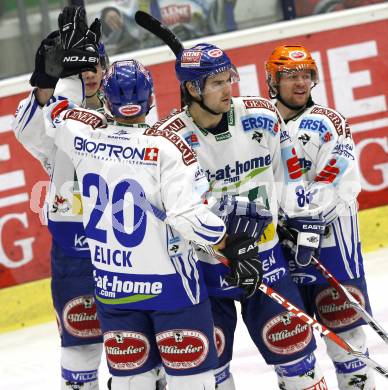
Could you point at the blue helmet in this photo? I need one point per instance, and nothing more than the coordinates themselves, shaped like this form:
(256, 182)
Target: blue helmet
(128, 89)
(200, 62)
(104, 59)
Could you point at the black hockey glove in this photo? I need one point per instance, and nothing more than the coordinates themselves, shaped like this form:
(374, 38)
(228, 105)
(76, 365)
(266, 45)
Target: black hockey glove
(245, 267)
(301, 238)
(80, 43)
(242, 216)
(41, 76)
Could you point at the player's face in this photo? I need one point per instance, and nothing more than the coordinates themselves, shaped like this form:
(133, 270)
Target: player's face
(295, 87)
(92, 81)
(218, 91)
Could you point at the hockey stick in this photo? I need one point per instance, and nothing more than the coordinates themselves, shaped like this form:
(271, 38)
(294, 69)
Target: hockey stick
(322, 329)
(161, 215)
(157, 28)
(342, 290)
(154, 26)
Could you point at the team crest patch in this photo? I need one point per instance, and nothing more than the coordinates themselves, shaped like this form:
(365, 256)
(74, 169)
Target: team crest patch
(181, 349)
(130, 109)
(336, 312)
(286, 334)
(126, 350)
(80, 317)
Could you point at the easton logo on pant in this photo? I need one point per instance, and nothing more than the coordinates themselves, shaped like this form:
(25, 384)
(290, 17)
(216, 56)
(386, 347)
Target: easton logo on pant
(80, 317)
(334, 310)
(286, 334)
(220, 340)
(181, 349)
(126, 350)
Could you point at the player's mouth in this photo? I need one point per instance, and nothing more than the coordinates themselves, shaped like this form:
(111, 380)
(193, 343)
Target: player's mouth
(91, 85)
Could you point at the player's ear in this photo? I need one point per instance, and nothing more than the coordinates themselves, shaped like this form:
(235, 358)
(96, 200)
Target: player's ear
(192, 89)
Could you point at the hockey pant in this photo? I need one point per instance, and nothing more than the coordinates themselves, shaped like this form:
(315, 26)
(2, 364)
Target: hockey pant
(72, 288)
(334, 312)
(138, 342)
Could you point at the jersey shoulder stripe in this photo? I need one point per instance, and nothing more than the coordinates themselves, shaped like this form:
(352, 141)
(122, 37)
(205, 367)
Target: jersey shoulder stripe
(188, 155)
(335, 118)
(257, 102)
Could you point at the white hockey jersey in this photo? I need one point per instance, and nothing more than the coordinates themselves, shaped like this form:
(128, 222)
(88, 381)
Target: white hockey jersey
(326, 150)
(63, 202)
(129, 178)
(253, 157)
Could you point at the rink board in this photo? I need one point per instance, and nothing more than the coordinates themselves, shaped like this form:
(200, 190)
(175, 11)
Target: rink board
(30, 303)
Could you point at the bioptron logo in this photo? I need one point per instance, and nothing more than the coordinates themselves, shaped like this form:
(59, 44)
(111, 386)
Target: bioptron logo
(106, 151)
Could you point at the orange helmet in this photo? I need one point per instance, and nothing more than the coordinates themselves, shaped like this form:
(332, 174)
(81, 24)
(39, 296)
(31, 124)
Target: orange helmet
(285, 59)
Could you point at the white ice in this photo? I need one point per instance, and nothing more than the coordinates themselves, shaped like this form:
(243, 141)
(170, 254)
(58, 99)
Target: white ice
(29, 358)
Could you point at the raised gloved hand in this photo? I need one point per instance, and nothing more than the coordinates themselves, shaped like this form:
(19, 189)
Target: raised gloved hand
(242, 216)
(246, 270)
(79, 43)
(41, 77)
(301, 238)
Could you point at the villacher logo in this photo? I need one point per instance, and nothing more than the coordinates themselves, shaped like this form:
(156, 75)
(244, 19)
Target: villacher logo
(182, 348)
(126, 350)
(80, 317)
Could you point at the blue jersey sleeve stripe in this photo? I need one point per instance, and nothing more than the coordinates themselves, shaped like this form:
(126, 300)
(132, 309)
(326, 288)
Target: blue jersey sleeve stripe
(32, 112)
(208, 238)
(25, 111)
(211, 228)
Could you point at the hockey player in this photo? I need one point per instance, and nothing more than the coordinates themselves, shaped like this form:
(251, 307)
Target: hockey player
(244, 149)
(72, 281)
(326, 150)
(150, 292)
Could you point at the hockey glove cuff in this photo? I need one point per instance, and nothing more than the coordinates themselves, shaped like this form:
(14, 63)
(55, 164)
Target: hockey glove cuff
(301, 238)
(242, 216)
(41, 76)
(246, 270)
